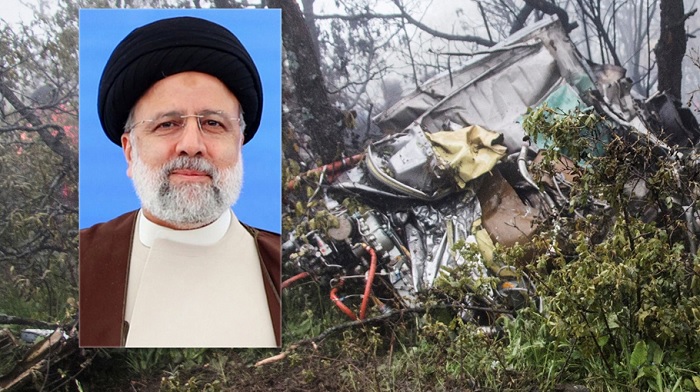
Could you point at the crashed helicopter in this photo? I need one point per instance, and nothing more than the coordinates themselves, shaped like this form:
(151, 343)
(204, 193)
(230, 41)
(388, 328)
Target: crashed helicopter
(454, 170)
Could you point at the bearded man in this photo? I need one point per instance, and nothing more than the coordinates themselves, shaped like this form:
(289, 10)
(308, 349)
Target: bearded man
(180, 96)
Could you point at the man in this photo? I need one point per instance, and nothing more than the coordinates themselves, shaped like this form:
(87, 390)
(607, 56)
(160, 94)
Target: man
(180, 96)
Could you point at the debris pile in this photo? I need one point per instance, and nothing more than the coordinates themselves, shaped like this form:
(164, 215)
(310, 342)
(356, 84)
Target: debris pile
(454, 175)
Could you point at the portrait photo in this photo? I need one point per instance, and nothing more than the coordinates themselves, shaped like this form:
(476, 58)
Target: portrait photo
(180, 114)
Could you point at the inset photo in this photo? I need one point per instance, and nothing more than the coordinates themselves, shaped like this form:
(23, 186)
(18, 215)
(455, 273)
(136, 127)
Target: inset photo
(179, 244)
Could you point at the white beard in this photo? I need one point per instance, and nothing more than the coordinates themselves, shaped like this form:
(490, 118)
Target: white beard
(186, 206)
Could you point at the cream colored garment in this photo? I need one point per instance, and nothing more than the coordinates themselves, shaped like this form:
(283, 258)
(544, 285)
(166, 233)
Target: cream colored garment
(196, 288)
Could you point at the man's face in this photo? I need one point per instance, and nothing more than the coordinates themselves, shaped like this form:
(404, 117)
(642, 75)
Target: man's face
(186, 176)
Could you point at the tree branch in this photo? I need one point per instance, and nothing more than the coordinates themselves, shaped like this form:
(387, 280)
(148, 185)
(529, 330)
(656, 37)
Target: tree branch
(360, 16)
(451, 37)
(521, 17)
(685, 17)
(411, 20)
(602, 33)
(6, 319)
(551, 9)
(57, 143)
(29, 128)
(486, 21)
(396, 314)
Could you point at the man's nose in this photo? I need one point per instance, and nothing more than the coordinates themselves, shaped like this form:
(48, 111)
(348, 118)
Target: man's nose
(191, 141)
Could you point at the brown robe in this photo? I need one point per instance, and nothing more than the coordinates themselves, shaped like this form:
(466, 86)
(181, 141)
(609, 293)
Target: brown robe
(105, 253)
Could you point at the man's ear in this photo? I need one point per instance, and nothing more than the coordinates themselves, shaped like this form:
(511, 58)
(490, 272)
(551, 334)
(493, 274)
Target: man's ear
(127, 148)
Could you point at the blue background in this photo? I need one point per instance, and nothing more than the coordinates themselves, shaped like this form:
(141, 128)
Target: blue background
(105, 190)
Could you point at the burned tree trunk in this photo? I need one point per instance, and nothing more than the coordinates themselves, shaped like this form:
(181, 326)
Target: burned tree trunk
(309, 121)
(671, 46)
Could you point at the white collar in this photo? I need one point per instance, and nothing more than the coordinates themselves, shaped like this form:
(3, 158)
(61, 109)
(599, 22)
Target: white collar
(203, 236)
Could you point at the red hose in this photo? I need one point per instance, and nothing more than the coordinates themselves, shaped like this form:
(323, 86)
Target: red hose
(331, 169)
(370, 279)
(293, 279)
(340, 304)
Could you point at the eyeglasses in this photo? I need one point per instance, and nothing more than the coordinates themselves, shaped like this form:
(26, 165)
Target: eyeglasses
(214, 123)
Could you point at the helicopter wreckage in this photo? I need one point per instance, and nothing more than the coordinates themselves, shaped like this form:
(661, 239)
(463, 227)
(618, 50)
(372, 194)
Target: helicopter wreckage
(454, 170)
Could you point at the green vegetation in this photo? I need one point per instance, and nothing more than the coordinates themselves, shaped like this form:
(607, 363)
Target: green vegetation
(619, 286)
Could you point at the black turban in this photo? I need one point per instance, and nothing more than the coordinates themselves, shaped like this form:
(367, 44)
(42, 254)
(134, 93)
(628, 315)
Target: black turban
(170, 46)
